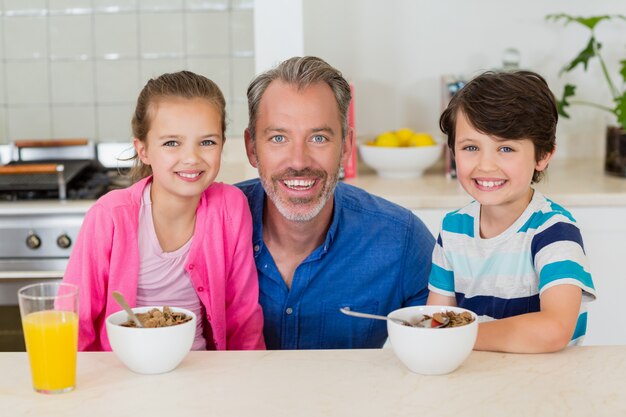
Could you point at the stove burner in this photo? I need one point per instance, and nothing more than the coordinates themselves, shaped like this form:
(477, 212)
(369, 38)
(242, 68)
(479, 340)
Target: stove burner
(92, 183)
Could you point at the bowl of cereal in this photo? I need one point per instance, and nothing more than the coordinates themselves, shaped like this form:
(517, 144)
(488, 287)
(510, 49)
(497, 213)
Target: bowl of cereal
(159, 346)
(433, 351)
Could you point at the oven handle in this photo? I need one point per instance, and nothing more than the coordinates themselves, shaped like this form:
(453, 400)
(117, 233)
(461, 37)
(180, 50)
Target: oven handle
(11, 275)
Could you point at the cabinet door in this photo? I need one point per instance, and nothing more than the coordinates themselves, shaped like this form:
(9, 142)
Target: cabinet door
(604, 236)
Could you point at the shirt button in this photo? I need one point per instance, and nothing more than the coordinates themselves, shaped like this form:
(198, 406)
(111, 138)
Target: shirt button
(200, 289)
(289, 310)
(191, 266)
(256, 248)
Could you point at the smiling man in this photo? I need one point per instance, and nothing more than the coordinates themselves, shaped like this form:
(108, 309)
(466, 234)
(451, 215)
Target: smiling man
(320, 245)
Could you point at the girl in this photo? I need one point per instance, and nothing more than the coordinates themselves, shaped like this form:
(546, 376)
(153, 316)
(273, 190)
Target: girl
(175, 237)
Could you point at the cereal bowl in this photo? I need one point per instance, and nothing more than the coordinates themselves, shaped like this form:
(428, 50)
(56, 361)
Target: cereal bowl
(431, 351)
(150, 350)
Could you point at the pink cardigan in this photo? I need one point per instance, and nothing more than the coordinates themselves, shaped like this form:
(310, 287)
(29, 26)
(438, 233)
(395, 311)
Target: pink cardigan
(105, 258)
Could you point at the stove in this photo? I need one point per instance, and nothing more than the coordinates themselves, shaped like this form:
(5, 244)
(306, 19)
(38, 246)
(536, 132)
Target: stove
(42, 206)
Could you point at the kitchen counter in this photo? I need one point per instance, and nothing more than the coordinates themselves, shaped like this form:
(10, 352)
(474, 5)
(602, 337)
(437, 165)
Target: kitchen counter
(570, 183)
(580, 381)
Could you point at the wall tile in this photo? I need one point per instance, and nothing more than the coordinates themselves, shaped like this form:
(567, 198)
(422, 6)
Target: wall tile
(70, 36)
(4, 139)
(29, 123)
(70, 7)
(151, 68)
(237, 113)
(207, 4)
(243, 73)
(72, 82)
(74, 122)
(114, 6)
(160, 5)
(114, 122)
(117, 81)
(27, 82)
(242, 30)
(26, 37)
(207, 33)
(3, 99)
(161, 34)
(24, 7)
(116, 35)
(216, 69)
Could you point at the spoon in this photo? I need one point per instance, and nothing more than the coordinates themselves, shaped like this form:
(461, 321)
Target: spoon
(122, 302)
(420, 322)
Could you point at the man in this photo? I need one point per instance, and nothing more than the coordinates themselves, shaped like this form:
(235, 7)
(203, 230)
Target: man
(320, 245)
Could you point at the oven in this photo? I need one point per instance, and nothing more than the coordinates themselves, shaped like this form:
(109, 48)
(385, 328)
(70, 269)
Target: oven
(45, 192)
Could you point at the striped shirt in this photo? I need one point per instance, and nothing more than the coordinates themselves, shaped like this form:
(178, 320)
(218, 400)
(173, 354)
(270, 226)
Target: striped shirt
(505, 275)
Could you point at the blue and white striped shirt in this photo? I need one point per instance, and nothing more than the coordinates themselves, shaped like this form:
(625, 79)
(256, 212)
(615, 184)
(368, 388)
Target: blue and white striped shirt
(505, 275)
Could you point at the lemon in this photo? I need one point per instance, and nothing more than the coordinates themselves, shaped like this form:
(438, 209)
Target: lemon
(388, 139)
(405, 134)
(421, 139)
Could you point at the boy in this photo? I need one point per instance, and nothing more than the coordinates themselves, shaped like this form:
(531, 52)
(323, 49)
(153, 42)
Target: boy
(512, 256)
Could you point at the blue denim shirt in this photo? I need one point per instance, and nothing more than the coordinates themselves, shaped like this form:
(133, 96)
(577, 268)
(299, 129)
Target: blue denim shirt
(376, 258)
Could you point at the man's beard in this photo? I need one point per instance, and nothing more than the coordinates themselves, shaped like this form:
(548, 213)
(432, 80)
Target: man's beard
(286, 206)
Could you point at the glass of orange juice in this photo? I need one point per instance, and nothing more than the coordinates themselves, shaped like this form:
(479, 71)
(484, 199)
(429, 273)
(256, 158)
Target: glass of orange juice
(49, 314)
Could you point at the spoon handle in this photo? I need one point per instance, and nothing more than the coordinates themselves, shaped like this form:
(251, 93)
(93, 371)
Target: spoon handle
(122, 302)
(370, 316)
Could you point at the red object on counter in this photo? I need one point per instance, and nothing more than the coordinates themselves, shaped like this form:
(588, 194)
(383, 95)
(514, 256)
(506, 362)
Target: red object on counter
(350, 168)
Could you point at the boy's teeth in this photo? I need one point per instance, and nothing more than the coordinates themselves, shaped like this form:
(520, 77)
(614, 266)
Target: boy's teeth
(188, 175)
(490, 183)
(299, 183)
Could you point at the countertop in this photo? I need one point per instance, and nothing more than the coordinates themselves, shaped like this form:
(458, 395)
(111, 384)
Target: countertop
(571, 183)
(579, 381)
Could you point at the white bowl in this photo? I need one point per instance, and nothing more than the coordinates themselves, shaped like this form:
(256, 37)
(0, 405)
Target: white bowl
(431, 351)
(400, 162)
(150, 350)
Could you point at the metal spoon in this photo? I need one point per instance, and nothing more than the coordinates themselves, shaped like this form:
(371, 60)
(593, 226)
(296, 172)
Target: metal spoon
(122, 302)
(418, 323)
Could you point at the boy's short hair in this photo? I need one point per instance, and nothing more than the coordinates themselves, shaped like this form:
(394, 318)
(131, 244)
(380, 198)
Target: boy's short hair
(508, 105)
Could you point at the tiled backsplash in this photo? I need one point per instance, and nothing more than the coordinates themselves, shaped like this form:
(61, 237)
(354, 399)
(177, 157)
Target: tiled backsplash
(74, 68)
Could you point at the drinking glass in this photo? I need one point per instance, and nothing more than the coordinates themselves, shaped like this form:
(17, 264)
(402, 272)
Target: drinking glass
(49, 314)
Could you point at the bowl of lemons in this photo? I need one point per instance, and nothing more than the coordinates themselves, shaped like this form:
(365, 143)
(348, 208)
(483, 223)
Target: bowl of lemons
(401, 154)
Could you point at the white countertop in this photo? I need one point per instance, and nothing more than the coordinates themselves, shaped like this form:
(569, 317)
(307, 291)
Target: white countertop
(572, 183)
(580, 381)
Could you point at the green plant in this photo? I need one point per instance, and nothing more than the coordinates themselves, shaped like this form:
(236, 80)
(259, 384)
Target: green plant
(591, 51)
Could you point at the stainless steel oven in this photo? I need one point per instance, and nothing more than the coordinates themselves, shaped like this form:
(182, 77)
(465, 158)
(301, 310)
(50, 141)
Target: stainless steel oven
(40, 216)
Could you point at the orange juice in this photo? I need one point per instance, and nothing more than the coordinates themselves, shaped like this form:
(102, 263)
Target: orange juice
(51, 341)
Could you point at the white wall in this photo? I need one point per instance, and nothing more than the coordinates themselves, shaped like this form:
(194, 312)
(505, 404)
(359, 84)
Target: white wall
(395, 52)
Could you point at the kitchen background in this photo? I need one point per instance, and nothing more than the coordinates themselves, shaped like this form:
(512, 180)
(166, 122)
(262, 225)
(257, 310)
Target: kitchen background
(74, 67)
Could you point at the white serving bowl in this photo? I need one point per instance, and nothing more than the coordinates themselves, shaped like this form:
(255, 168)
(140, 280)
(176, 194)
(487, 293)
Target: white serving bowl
(150, 350)
(431, 351)
(400, 162)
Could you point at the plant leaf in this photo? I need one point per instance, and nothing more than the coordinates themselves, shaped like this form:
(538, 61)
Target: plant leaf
(568, 91)
(584, 56)
(622, 71)
(620, 110)
(590, 22)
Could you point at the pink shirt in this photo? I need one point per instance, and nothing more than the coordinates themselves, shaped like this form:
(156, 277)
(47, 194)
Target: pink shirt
(163, 280)
(220, 265)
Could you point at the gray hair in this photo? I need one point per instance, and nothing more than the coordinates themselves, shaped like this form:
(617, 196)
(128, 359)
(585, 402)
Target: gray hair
(301, 72)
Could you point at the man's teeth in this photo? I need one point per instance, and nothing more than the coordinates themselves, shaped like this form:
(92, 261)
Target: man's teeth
(188, 175)
(299, 183)
(490, 184)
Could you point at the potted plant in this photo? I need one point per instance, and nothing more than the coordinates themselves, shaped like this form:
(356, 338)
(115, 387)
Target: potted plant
(615, 159)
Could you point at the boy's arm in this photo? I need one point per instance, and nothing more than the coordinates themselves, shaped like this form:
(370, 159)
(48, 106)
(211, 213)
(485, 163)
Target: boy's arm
(548, 330)
(440, 300)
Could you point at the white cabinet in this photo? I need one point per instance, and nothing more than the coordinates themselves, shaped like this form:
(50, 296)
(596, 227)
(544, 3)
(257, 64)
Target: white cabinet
(604, 236)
